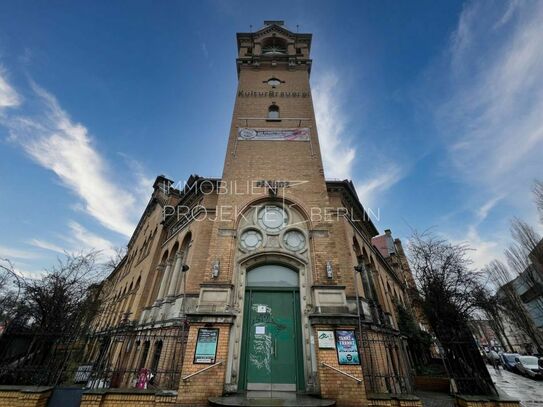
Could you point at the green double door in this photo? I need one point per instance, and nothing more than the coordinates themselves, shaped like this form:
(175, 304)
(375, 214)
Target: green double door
(271, 357)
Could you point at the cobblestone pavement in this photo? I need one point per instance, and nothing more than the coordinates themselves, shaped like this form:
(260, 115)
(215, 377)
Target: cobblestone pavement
(528, 391)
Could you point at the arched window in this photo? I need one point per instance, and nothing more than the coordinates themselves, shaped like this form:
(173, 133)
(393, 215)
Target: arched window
(273, 46)
(145, 352)
(156, 357)
(273, 112)
(272, 275)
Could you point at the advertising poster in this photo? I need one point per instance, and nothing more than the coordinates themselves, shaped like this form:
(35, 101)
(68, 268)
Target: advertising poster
(206, 345)
(347, 350)
(298, 134)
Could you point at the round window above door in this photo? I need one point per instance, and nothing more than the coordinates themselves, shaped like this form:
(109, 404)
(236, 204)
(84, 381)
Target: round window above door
(251, 239)
(294, 240)
(272, 219)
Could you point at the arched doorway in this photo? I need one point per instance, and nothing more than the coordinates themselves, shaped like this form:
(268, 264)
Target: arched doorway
(271, 349)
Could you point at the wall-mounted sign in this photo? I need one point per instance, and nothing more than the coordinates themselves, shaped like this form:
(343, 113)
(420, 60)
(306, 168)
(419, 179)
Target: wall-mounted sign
(298, 134)
(206, 345)
(273, 94)
(347, 349)
(326, 339)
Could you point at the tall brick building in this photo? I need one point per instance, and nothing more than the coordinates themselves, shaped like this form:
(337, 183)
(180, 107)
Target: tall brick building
(269, 279)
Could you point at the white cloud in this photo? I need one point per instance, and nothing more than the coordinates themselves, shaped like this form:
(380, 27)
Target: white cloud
(381, 181)
(338, 155)
(12, 253)
(485, 250)
(8, 96)
(54, 141)
(42, 244)
(84, 240)
(488, 107)
(492, 116)
(485, 209)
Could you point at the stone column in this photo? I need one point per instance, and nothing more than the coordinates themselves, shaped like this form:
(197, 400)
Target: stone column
(176, 274)
(165, 280)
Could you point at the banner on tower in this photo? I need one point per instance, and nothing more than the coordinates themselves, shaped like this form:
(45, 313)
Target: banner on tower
(298, 134)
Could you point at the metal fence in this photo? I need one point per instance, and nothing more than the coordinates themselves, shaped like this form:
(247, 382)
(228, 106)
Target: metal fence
(122, 357)
(385, 362)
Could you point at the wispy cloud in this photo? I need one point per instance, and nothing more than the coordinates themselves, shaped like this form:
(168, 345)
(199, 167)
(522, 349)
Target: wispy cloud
(42, 244)
(484, 210)
(13, 253)
(491, 114)
(8, 96)
(338, 152)
(488, 108)
(83, 240)
(338, 155)
(380, 181)
(50, 137)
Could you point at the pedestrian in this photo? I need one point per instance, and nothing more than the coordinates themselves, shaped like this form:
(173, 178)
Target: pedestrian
(495, 359)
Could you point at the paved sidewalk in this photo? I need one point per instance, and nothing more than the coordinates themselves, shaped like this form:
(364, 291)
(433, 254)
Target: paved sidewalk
(528, 391)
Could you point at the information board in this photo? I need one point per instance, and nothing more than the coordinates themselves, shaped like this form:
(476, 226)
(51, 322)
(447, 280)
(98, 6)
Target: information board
(206, 345)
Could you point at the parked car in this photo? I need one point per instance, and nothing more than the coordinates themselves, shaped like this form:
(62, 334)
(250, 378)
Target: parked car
(509, 362)
(528, 366)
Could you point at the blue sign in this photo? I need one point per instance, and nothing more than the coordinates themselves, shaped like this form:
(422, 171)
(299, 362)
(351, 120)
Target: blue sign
(347, 350)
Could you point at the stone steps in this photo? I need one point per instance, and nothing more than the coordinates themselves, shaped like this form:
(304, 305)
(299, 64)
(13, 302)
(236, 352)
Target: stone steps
(265, 399)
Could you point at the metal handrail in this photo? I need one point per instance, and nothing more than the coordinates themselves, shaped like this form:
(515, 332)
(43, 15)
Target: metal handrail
(201, 371)
(342, 372)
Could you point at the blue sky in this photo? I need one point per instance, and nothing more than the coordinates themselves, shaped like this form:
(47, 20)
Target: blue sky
(434, 109)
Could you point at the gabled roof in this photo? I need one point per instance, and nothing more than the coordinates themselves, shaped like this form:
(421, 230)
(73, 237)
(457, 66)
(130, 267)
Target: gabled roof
(273, 26)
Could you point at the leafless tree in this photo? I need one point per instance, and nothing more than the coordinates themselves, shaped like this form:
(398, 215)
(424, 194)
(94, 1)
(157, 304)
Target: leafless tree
(114, 260)
(447, 287)
(511, 303)
(488, 304)
(52, 313)
(10, 290)
(538, 192)
(525, 258)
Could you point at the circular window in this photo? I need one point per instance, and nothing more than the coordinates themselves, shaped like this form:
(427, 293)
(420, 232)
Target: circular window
(273, 82)
(251, 239)
(294, 240)
(272, 218)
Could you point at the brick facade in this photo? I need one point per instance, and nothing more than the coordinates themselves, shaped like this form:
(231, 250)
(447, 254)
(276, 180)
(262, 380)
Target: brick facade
(184, 272)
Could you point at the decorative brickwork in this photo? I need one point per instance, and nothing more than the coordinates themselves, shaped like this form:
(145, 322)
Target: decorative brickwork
(197, 389)
(126, 398)
(333, 385)
(24, 396)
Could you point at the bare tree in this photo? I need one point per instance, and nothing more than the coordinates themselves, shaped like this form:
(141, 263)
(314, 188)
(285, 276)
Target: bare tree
(538, 192)
(447, 287)
(53, 312)
(511, 303)
(119, 253)
(489, 305)
(10, 290)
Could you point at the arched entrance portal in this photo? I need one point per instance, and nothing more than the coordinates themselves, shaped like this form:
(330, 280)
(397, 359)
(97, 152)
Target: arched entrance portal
(271, 355)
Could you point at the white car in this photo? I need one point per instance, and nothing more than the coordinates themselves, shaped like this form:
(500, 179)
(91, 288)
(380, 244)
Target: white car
(528, 366)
